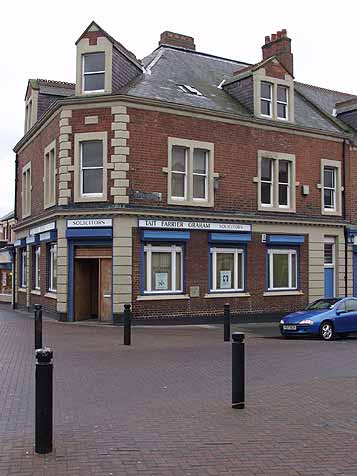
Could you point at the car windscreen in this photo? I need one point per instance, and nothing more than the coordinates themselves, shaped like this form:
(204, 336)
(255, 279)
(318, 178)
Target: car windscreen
(321, 304)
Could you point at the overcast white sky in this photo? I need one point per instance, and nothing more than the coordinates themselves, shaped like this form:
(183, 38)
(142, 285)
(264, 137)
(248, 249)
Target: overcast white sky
(40, 36)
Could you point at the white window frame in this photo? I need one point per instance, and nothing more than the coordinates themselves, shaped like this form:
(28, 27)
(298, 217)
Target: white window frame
(26, 190)
(88, 73)
(23, 258)
(189, 200)
(270, 182)
(333, 189)
(268, 100)
(36, 267)
(173, 249)
(286, 103)
(174, 197)
(236, 252)
(51, 262)
(90, 168)
(274, 206)
(290, 253)
(288, 184)
(198, 199)
(49, 175)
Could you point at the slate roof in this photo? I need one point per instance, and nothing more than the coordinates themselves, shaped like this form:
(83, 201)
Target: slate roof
(8, 216)
(167, 67)
(54, 88)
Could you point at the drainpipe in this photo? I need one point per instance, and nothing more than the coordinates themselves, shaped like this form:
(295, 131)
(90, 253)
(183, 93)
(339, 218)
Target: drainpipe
(14, 249)
(345, 210)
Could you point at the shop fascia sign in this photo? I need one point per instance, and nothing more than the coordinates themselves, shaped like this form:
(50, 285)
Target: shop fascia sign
(43, 228)
(90, 223)
(193, 225)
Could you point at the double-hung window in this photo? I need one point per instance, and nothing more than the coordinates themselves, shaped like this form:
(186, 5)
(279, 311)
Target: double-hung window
(163, 269)
(282, 102)
(26, 190)
(93, 72)
(50, 175)
(191, 176)
(23, 268)
(282, 269)
(91, 154)
(227, 269)
(330, 188)
(52, 267)
(276, 177)
(36, 267)
(266, 98)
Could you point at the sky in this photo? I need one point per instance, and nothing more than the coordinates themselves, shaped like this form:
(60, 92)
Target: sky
(39, 42)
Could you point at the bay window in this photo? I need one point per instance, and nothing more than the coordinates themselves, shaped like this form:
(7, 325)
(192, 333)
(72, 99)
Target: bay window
(163, 269)
(227, 269)
(282, 269)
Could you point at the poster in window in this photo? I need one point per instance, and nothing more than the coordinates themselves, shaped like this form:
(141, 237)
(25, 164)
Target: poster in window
(161, 281)
(225, 279)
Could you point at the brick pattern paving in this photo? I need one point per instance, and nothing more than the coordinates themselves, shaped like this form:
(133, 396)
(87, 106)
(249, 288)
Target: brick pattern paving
(162, 406)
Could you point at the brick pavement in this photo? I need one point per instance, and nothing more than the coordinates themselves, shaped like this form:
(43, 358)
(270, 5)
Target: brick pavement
(162, 406)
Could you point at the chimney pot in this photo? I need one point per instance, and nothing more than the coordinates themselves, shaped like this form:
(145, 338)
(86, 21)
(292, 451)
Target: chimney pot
(273, 37)
(281, 49)
(267, 39)
(284, 32)
(278, 34)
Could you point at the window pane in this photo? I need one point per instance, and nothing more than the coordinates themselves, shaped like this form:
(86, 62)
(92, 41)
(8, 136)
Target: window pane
(94, 82)
(293, 270)
(240, 271)
(329, 177)
(266, 169)
(161, 271)
(145, 272)
(92, 181)
(283, 171)
(328, 253)
(282, 93)
(328, 198)
(265, 108)
(178, 158)
(54, 270)
(282, 110)
(199, 161)
(351, 305)
(265, 89)
(92, 153)
(283, 194)
(199, 186)
(178, 185)
(94, 62)
(225, 270)
(280, 271)
(178, 271)
(266, 193)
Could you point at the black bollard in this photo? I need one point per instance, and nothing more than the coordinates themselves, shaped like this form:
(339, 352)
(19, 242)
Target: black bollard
(43, 401)
(127, 324)
(227, 322)
(38, 326)
(238, 393)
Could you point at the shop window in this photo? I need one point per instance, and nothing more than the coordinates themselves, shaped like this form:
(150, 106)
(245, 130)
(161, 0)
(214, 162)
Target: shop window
(26, 190)
(227, 269)
(52, 267)
(23, 268)
(93, 72)
(36, 267)
(49, 178)
(190, 173)
(282, 269)
(163, 269)
(276, 182)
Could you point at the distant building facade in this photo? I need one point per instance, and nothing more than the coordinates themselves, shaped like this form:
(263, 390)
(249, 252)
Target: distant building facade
(181, 182)
(7, 223)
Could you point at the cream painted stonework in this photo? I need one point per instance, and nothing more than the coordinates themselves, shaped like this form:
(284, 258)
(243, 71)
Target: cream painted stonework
(121, 152)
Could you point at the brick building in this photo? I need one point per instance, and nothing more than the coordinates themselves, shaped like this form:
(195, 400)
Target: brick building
(7, 223)
(183, 181)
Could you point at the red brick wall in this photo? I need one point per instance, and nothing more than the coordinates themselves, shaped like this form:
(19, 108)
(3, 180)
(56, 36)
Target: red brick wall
(196, 274)
(235, 158)
(34, 152)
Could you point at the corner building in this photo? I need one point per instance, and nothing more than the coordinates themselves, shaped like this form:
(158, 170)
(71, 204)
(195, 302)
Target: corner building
(181, 182)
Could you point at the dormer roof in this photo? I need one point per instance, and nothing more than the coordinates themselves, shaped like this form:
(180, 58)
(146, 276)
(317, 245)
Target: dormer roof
(48, 86)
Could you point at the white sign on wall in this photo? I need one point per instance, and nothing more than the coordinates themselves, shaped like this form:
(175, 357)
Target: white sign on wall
(89, 223)
(193, 225)
(225, 280)
(43, 228)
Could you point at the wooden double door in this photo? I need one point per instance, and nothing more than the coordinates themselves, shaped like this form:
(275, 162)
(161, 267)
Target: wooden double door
(93, 284)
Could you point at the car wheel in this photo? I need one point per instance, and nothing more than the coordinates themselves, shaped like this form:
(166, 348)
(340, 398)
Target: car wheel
(326, 331)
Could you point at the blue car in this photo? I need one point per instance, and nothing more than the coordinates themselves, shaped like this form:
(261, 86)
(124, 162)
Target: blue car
(326, 318)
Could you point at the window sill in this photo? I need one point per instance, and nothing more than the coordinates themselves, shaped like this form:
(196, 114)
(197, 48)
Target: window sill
(190, 203)
(51, 295)
(276, 209)
(283, 293)
(227, 295)
(37, 292)
(22, 290)
(162, 297)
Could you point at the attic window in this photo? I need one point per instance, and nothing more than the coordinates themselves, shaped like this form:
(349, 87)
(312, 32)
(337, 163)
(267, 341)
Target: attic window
(189, 90)
(93, 72)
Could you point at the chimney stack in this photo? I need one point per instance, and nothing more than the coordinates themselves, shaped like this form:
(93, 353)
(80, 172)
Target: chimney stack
(279, 45)
(176, 39)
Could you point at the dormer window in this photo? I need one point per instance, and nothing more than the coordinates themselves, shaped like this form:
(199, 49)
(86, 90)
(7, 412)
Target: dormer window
(274, 100)
(282, 102)
(93, 72)
(266, 98)
(189, 89)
